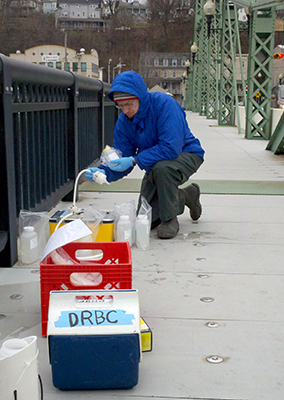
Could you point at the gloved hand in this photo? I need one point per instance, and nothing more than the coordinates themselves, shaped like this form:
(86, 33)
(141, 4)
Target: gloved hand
(90, 173)
(121, 164)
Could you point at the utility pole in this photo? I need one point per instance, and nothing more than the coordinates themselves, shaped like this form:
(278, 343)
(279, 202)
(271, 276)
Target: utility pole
(108, 71)
(65, 48)
(119, 66)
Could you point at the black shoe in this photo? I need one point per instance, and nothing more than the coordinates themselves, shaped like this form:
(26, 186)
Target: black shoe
(168, 229)
(191, 196)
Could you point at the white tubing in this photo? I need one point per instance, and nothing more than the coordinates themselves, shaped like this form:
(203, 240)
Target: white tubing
(73, 208)
(62, 220)
(76, 184)
(98, 177)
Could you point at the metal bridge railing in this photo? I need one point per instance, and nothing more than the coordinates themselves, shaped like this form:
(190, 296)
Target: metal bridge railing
(53, 124)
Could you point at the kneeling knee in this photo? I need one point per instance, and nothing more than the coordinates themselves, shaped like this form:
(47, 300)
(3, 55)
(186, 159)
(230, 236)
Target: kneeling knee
(160, 169)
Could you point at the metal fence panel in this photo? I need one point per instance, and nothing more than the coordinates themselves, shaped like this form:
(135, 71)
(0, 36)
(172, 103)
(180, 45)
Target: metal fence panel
(52, 125)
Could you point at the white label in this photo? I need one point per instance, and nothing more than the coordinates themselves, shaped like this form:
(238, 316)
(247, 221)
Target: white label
(127, 235)
(113, 156)
(33, 243)
(50, 58)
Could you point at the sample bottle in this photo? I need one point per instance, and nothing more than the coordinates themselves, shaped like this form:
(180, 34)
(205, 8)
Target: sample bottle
(124, 230)
(142, 232)
(29, 245)
(110, 154)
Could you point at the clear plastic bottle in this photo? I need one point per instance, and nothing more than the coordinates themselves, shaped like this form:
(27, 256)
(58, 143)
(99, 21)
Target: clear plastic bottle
(124, 230)
(29, 245)
(110, 154)
(142, 232)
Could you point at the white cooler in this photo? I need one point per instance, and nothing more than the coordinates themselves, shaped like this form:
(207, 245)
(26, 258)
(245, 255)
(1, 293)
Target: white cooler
(94, 339)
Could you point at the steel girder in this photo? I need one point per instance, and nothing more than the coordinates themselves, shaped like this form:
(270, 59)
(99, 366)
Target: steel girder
(228, 56)
(262, 32)
(210, 97)
(213, 66)
(198, 32)
(203, 67)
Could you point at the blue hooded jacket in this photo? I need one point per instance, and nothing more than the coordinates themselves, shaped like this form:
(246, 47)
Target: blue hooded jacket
(158, 131)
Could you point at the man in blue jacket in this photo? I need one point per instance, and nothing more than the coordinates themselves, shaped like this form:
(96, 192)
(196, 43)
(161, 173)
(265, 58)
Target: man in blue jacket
(152, 132)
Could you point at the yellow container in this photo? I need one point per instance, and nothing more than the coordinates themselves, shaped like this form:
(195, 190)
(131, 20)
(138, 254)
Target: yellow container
(106, 228)
(146, 336)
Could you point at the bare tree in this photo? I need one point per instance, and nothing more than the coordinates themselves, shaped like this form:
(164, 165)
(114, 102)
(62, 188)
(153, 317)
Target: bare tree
(121, 39)
(111, 6)
(167, 16)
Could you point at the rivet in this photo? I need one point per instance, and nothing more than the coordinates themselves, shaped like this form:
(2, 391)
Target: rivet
(212, 324)
(16, 296)
(198, 244)
(2, 316)
(35, 271)
(215, 359)
(202, 276)
(201, 259)
(207, 299)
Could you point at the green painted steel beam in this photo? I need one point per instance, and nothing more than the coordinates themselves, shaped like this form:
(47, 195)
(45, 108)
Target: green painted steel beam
(203, 66)
(276, 142)
(260, 63)
(213, 66)
(228, 55)
(195, 77)
(189, 87)
(258, 4)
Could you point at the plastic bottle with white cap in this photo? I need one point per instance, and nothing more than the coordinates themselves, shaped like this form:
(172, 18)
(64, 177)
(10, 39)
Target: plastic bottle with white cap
(100, 177)
(29, 245)
(110, 154)
(124, 230)
(142, 232)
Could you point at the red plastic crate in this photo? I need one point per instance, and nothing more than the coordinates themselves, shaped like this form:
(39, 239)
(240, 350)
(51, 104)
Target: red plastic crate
(114, 270)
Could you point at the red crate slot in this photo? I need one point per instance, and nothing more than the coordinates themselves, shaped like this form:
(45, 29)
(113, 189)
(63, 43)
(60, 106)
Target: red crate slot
(112, 271)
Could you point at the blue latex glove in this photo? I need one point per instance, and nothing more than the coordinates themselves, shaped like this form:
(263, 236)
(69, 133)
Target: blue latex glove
(121, 164)
(91, 171)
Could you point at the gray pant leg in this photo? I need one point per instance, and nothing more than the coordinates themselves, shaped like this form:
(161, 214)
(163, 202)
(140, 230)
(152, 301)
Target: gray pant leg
(160, 186)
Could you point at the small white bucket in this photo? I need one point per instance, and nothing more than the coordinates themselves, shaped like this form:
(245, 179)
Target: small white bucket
(18, 364)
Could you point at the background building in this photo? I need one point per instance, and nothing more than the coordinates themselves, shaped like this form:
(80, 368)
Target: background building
(165, 70)
(49, 6)
(79, 14)
(62, 58)
(136, 10)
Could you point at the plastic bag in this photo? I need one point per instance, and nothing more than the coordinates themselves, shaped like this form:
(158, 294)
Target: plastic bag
(143, 225)
(110, 154)
(125, 215)
(33, 235)
(71, 232)
(86, 278)
(92, 218)
(60, 256)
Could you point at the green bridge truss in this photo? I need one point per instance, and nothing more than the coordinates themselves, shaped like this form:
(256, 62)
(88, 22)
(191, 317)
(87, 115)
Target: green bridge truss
(212, 86)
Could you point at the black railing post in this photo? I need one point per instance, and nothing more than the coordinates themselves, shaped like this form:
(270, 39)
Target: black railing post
(73, 168)
(8, 208)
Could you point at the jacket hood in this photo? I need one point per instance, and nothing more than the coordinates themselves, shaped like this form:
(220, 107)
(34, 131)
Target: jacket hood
(133, 83)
